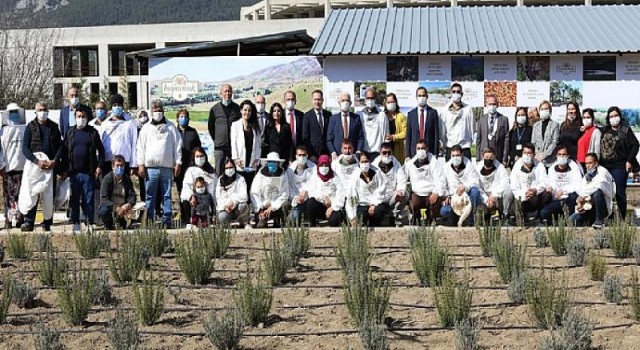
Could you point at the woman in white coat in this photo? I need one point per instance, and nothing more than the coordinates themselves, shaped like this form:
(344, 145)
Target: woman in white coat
(231, 196)
(246, 142)
(199, 167)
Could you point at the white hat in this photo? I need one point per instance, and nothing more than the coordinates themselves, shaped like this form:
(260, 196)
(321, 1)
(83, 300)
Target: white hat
(13, 107)
(272, 157)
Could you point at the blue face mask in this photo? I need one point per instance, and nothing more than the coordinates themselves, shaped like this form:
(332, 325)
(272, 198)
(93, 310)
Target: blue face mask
(183, 121)
(101, 113)
(272, 167)
(117, 110)
(119, 171)
(14, 117)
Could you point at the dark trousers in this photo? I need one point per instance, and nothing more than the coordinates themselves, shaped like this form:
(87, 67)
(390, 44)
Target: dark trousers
(536, 202)
(598, 212)
(220, 155)
(82, 189)
(106, 214)
(551, 211)
(380, 212)
(248, 178)
(422, 202)
(10, 189)
(465, 152)
(620, 176)
(317, 211)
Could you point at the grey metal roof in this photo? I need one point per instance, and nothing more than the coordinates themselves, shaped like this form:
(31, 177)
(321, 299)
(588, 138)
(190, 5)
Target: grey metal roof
(481, 30)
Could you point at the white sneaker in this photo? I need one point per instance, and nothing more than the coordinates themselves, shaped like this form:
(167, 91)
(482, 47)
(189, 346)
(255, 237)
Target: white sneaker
(248, 227)
(76, 228)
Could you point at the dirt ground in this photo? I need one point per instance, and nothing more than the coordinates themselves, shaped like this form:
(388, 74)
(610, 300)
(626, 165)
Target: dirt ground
(310, 305)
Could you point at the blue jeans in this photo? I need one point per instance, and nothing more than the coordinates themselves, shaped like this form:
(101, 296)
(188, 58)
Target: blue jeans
(82, 188)
(620, 176)
(159, 179)
(474, 196)
(598, 212)
(553, 209)
(296, 213)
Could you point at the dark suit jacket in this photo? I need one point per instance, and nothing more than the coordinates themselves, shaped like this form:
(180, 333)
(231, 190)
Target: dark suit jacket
(500, 140)
(299, 116)
(334, 133)
(265, 147)
(64, 117)
(431, 130)
(279, 141)
(313, 136)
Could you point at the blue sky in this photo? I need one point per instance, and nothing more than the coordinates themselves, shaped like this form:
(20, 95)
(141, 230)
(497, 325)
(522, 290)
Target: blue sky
(211, 68)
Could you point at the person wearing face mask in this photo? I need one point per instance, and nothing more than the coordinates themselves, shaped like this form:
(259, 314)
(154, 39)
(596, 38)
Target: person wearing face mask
(395, 179)
(199, 166)
(344, 125)
(571, 129)
(314, 127)
(119, 136)
(326, 195)
(494, 185)
(12, 162)
(374, 123)
(203, 205)
(618, 150)
(345, 164)
(231, 196)
(492, 131)
(117, 196)
(457, 123)
(460, 177)
(365, 199)
(428, 185)
(67, 113)
(397, 125)
(84, 155)
(190, 140)
(100, 114)
(41, 140)
(528, 182)
(159, 159)
(563, 180)
(545, 135)
(294, 119)
(589, 142)
(299, 172)
(221, 116)
(596, 191)
(264, 118)
(423, 124)
(270, 191)
(519, 135)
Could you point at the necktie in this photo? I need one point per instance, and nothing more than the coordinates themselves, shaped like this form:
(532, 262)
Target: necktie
(293, 129)
(421, 124)
(320, 120)
(491, 121)
(345, 127)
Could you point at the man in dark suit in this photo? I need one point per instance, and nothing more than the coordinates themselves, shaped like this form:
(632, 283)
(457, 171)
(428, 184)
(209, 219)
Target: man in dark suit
(344, 125)
(264, 118)
(294, 117)
(314, 127)
(493, 131)
(423, 123)
(68, 112)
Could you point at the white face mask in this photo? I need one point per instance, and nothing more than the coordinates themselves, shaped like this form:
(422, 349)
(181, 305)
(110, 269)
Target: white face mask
(157, 116)
(614, 121)
(587, 122)
(522, 119)
(199, 161)
(301, 159)
(74, 101)
(226, 102)
(230, 172)
(456, 161)
(200, 190)
(345, 105)
(544, 114)
(491, 109)
(259, 107)
(563, 160)
(456, 97)
(290, 104)
(422, 101)
(526, 158)
(81, 122)
(391, 107)
(364, 167)
(42, 116)
(421, 153)
(324, 170)
(370, 103)
(386, 159)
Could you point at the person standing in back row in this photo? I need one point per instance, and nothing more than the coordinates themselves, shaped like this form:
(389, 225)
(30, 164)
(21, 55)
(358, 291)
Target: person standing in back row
(423, 124)
(493, 131)
(457, 123)
(294, 119)
(221, 116)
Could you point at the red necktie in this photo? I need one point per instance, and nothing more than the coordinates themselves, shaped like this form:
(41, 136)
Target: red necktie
(421, 124)
(291, 121)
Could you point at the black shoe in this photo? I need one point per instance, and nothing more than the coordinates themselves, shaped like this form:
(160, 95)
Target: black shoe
(167, 225)
(47, 225)
(27, 227)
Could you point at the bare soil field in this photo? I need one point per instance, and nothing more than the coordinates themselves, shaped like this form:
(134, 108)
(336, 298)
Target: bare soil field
(309, 312)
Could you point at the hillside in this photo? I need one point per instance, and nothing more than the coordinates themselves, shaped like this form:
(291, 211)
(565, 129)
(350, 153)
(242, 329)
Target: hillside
(82, 13)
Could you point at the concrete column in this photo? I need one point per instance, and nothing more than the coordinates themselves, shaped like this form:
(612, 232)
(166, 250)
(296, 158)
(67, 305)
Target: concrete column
(327, 8)
(389, 3)
(267, 9)
(103, 63)
(255, 15)
(520, 3)
(588, 2)
(160, 45)
(454, 3)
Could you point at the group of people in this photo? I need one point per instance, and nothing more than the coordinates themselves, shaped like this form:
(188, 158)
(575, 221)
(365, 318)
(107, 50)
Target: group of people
(280, 163)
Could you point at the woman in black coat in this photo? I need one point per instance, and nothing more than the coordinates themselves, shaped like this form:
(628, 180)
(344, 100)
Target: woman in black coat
(277, 134)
